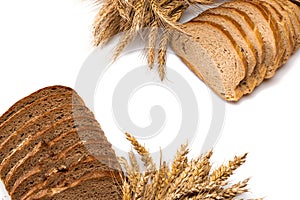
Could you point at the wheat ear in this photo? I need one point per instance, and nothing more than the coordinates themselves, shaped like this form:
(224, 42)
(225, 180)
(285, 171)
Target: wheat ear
(225, 171)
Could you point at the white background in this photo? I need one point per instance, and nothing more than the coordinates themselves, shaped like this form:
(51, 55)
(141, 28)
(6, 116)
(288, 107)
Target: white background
(44, 43)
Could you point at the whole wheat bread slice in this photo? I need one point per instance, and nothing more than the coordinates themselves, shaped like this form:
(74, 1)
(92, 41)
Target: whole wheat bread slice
(239, 36)
(220, 68)
(246, 24)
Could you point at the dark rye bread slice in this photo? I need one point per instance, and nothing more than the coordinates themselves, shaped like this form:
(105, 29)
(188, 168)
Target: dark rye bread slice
(67, 177)
(239, 36)
(212, 55)
(61, 162)
(35, 109)
(294, 13)
(66, 131)
(40, 123)
(264, 26)
(243, 20)
(93, 186)
(32, 98)
(54, 146)
(284, 36)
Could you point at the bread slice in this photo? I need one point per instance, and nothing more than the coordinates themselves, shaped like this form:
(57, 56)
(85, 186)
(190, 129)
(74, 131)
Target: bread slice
(26, 101)
(266, 27)
(37, 108)
(61, 162)
(38, 124)
(239, 36)
(92, 186)
(217, 62)
(245, 24)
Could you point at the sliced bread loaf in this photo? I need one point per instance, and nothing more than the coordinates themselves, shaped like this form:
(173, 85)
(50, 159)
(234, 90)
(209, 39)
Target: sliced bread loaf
(50, 138)
(266, 32)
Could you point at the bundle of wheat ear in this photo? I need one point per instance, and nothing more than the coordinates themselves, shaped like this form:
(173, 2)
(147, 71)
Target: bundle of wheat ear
(182, 180)
(232, 47)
